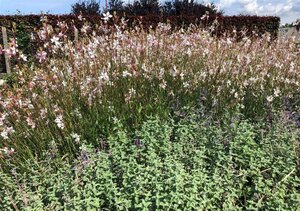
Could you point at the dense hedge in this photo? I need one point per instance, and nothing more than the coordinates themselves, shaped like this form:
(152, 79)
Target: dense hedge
(258, 24)
(22, 27)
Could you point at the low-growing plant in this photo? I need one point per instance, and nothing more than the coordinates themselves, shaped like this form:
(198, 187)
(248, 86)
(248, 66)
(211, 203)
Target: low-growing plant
(186, 163)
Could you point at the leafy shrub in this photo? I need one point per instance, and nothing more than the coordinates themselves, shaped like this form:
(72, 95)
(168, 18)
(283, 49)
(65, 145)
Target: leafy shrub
(153, 7)
(184, 163)
(142, 7)
(25, 25)
(185, 7)
(116, 6)
(86, 7)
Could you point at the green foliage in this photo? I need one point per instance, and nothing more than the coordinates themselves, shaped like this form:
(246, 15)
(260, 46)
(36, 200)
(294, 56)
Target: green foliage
(86, 7)
(11, 79)
(22, 33)
(259, 24)
(181, 164)
(116, 6)
(154, 7)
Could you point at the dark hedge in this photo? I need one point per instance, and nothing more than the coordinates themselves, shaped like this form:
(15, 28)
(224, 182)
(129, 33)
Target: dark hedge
(21, 27)
(259, 24)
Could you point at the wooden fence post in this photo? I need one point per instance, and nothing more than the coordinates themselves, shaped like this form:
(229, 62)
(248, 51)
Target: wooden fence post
(6, 55)
(75, 34)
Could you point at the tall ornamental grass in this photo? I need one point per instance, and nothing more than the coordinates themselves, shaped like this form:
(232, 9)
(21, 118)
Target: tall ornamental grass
(73, 92)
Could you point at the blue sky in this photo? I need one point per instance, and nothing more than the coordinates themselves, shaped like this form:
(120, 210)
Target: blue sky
(287, 10)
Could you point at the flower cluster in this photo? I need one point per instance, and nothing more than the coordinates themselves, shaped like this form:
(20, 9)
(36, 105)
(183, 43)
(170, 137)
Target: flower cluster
(130, 73)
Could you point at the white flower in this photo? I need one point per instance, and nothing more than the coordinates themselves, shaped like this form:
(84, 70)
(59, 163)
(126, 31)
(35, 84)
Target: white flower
(43, 113)
(10, 130)
(186, 84)
(229, 42)
(55, 41)
(6, 131)
(30, 106)
(11, 51)
(8, 151)
(236, 95)
(42, 34)
(32, 36)
(30, 122)
(85, 28)
(41, 56)
(4, 134)
(92, 54)
(132, 91)
(59, 122)
(23, 57)
(64, 83)
(2, 82)
(181, 75)
(77, 113)
(126, 73)
(104, 76)
(76, 137)
(43, 19)
(163, 84)
(174, 71)
(277, 92)
(270, 98)
(206, 16)
(1, 122)
(248, 59)
(106, 16)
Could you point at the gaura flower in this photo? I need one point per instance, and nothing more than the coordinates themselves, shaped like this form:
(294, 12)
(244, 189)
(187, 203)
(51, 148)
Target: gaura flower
(75, 137)
(2, 82)
(59, 122)
(41, 56)
(106, 16)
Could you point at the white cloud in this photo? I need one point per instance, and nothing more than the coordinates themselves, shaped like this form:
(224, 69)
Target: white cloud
(287, 10)
(227, 3)
(250, 6)
(276, 9)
